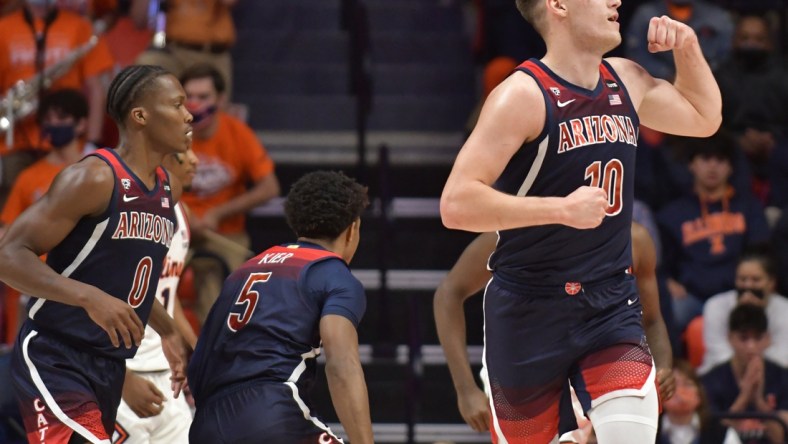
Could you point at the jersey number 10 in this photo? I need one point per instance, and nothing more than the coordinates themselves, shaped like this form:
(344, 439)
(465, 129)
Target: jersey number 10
(611, 179)
(247, 298)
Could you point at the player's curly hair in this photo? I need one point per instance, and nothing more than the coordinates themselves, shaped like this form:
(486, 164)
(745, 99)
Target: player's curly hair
(322, 204)
(128, 87)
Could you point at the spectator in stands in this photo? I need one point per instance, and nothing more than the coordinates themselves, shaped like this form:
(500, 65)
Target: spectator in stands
(23, 34)
(754, 85)
(230, 158)
(63, 118)
(755, 284)
(685, 416)
(703, 235)
(780, 243)
(712, 24)
(749, 382)
(196, 32)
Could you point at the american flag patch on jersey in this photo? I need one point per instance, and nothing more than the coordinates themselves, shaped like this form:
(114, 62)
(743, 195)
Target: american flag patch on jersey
(165, 202)
(615, 99)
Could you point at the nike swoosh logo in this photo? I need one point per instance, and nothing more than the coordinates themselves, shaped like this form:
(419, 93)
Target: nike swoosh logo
(127, 198)
(631, 301)
(563, 104)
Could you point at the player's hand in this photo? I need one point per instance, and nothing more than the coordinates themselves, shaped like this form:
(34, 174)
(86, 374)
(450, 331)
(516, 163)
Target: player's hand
(474, 408)
(116, 317)
(667, 384)
(585, 207)
(177, 353)
(665, 34)
(142, 396)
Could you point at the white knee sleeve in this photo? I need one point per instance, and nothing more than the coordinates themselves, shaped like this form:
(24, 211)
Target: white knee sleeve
(626, 419)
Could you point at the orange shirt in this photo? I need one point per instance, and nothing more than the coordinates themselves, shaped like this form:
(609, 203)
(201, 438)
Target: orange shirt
(30, 185)
(18, 59)
(200, 21)
(228, 161)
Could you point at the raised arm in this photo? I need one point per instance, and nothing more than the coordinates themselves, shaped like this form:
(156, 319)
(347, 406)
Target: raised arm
(465, 279)
(645, 264)
(692, 104)
(346, 378)
(513, 114)
(81, 190)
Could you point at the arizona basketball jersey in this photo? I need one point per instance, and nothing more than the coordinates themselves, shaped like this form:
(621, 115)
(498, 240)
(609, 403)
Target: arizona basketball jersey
(150, 356)
(120, 251)
(589, 138)
(265, 325)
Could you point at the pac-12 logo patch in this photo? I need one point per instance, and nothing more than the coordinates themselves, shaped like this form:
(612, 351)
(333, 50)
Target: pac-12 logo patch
(126, 183)
(555, 91)
(572, 288)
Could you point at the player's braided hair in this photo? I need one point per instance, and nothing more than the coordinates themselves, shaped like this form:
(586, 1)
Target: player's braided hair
(322, 204)
(128, 86)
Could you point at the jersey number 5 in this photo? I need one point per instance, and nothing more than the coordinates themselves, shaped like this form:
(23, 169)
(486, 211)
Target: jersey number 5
(248, 299)
(611, 179)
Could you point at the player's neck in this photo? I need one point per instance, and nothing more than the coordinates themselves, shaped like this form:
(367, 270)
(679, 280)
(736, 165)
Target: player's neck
(580, 69)
(140, 159)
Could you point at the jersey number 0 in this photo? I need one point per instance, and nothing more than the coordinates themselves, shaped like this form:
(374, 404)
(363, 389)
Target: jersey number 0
(247, 298)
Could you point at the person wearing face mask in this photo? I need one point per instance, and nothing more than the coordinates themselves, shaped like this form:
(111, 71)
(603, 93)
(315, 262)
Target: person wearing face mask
(33, 37)
(712, 24)
(230, 157)
(756, 280)
(63, 119)
(685, 416)
(754, 86)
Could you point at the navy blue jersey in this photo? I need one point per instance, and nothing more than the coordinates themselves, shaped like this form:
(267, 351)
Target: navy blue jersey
(589, 138)
(120, 251)
(265, 324)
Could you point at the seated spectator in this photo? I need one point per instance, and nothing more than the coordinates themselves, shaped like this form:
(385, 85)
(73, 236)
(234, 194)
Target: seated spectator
(231, 158)
(703, 235)
(755, 284)
(712, 24)
(749, 382)
(685, 416)
(754, 86)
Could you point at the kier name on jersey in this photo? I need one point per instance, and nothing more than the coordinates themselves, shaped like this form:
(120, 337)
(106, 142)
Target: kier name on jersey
(591, 130)
(145, 226)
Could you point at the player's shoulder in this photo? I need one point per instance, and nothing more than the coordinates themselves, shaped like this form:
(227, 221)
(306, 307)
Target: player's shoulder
(88, 176)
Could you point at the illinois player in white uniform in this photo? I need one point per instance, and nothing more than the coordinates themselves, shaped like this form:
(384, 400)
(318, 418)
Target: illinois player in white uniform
(148, 413)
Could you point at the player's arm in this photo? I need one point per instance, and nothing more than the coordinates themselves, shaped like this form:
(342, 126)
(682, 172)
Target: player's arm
(142, 396)
(513, 114)
(653, 324)
(465, 279)
(345, 377)
(172, 344)
(261, 192)
(81, 190)
(692, 105)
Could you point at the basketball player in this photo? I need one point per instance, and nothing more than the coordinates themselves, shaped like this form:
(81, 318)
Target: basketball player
(468, 277)
(550, 166)
(107, 223)
(255, 358)
(148, 414)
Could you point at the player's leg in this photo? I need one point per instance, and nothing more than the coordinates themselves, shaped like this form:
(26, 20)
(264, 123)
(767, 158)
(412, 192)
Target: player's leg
(626, 419)
(526, 357)
(58, 401)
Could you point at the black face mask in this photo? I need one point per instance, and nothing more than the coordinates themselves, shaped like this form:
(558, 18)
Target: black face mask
(59, 136)
(751, 58)
(760, 294)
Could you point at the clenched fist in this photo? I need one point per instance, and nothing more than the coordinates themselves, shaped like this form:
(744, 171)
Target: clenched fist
(586, 207)
(665, 34)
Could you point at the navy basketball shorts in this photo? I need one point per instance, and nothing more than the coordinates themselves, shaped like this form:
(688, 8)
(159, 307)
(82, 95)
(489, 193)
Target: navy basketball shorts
(65, 394)
(255, 412)
(538, 340)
